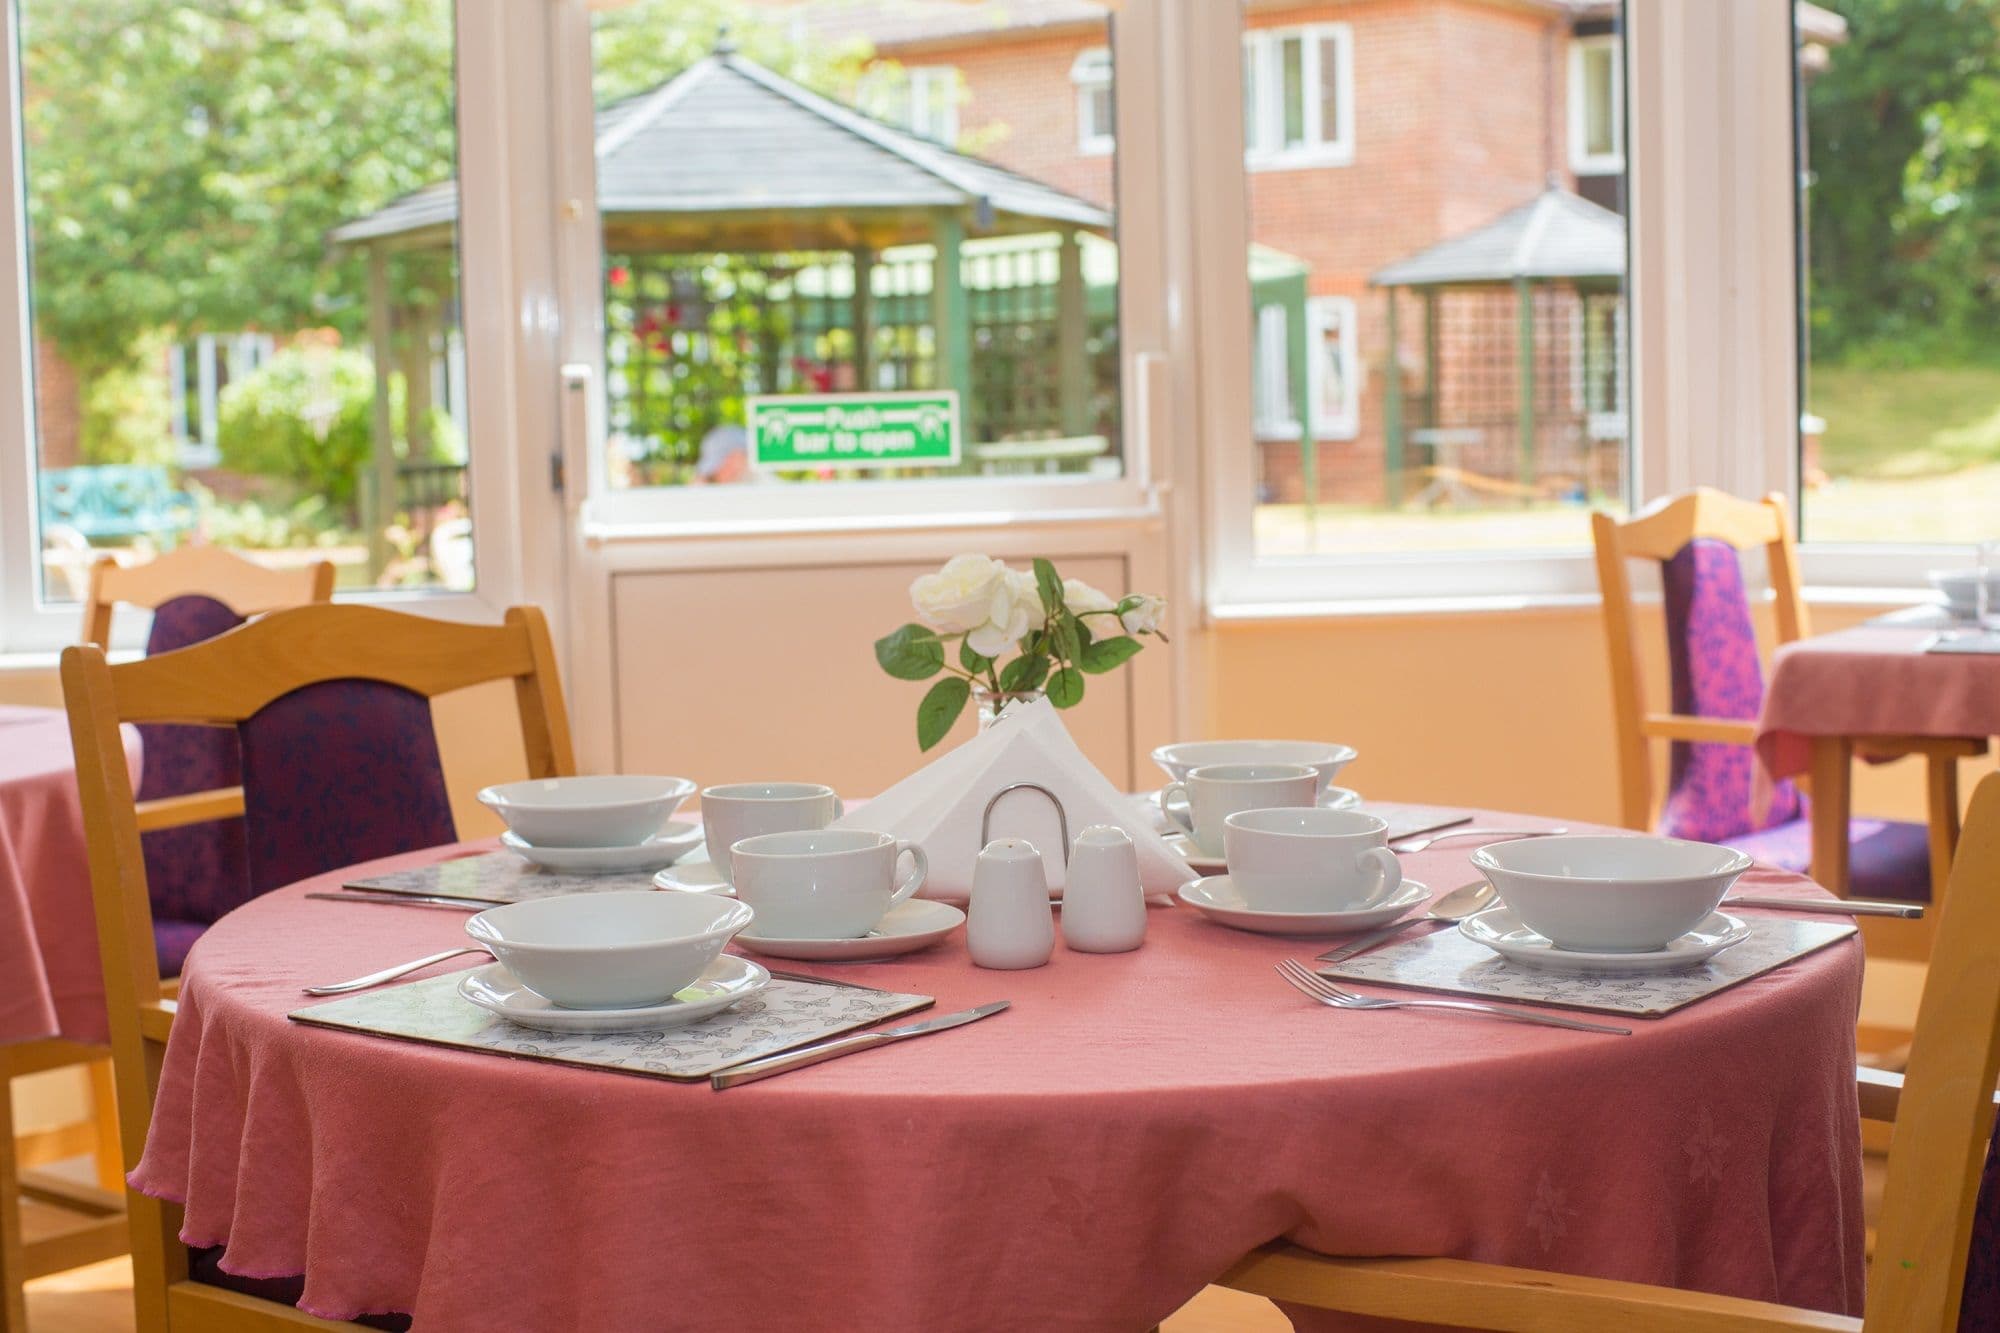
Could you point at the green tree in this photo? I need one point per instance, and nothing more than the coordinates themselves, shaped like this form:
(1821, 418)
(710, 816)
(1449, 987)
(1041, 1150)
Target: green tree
(303, 417)
(642, 45)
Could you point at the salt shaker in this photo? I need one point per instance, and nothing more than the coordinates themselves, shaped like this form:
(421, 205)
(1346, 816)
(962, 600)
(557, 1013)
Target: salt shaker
(1104, 905)
(1009, 924)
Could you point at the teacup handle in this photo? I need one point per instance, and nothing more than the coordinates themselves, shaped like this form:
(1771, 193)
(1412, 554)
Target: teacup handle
(920, 869)
(839, 808)
(1388, 873)
(1173, 817)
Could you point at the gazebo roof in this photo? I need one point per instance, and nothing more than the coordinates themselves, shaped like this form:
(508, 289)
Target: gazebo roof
(1555, 235)
(732, 156)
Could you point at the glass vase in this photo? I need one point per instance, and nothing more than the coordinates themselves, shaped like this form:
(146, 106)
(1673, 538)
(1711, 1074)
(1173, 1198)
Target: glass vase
(991, 702)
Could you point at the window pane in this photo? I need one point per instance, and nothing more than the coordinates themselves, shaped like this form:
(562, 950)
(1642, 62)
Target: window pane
(1292, 58)
(1330, 128)
(780, 276)
(245, 285)
(1455, 341)
(1254, 134)
(1901, 423)
(1599, 102)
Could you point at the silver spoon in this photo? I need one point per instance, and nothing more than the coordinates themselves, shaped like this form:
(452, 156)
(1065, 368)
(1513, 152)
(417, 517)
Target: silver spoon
(1460, 903)
(388, 973)
(1496, 834)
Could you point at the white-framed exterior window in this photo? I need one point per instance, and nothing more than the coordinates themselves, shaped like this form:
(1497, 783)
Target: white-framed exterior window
(1333, 344)
(1597, 105)
(1298, 96)
(1276, 415)
(933, 106)
(1090, 73)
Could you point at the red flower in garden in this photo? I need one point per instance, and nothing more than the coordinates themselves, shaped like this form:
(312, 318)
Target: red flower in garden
(620, 275)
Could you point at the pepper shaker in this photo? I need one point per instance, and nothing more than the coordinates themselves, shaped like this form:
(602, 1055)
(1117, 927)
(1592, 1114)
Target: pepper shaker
(1009, 924)
(1104, 905)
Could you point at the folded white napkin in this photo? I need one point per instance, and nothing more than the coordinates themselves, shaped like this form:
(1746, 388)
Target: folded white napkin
(940, 806)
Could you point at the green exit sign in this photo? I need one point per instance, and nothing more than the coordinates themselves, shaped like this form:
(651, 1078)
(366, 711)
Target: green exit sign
(854, 430)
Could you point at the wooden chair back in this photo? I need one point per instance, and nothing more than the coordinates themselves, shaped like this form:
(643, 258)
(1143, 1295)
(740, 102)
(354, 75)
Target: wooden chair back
(1658, 533)
(1943, 1117)
(220, 682)
(239, 583)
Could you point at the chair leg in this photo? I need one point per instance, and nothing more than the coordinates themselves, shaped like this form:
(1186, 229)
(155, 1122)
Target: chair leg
(13, 1238)
(109, 1153)
(1943, 822)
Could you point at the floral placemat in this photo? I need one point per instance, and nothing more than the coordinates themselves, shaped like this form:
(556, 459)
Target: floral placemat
(783, 1015)
(499, 877)
(1444, 960)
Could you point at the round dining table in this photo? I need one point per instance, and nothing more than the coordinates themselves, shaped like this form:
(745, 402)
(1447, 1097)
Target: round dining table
(51, 984)
(1086, 1160)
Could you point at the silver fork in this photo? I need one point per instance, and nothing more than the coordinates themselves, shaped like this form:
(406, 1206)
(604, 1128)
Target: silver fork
(1319, 988)
(826, 981)
(1419, 844)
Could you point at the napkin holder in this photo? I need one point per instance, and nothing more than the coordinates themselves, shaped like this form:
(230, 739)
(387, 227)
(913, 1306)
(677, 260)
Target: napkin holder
(1022, 777)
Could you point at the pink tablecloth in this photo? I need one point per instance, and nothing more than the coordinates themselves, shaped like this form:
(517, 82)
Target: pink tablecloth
(50, 981)
(1087, 1160)
(1872, 680)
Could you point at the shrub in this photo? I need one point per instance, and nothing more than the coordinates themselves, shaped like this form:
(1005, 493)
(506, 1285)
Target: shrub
(126, 417)
(305, 416)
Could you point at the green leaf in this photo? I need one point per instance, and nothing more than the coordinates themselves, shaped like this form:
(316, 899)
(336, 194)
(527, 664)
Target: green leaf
(1025, 673)
(911, 653)
(940, 708)
(1066, 688)
(1082, 632)
(1068, 644)
(1108, 654)
(972, 660)
(1049, 584)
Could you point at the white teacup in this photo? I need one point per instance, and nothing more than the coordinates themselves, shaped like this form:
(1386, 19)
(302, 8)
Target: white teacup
(734, 811)
(1310, 860)
(1214, 792)
(823, 884)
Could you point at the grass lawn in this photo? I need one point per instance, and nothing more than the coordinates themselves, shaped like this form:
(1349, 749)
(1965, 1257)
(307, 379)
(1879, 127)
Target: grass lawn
(1897, 424)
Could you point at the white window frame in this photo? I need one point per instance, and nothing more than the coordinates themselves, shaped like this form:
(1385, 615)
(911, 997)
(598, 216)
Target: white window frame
(925, 83)
(1091, 75)
(1324, 315)
(1262, 49)
(1274, 415)
(505, 250)
(1581, 160)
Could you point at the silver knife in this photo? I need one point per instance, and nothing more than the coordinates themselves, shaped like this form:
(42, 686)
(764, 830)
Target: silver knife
(409, 900)
(752, 1070)
(1833, 906)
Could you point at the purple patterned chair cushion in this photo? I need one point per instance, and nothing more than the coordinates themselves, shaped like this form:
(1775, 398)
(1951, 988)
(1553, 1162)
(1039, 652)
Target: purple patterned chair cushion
(1712, 655)
(205, 1266)
(1979, 1308)
(1886, 858)
(339, 772)
(171, 941)
(193, 874)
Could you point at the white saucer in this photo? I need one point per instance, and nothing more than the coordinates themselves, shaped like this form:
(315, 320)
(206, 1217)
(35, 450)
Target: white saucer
(1198, 861)
(726, 981)
(907, 927)
(692, 876)
(664, 848)
(1333, 798)
(1501, 931)
(1218, 900)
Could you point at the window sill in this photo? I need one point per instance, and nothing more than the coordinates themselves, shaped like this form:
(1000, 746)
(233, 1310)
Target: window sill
(1300, 159)
(661, 530)
(1228, 614)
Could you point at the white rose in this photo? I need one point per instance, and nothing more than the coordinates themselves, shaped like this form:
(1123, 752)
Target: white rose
(958, 597)
(1010, 610)
(1080, 597)
(1144, 615)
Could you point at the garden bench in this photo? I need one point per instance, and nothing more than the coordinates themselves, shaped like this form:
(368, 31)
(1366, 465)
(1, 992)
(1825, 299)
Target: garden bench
(115, 501)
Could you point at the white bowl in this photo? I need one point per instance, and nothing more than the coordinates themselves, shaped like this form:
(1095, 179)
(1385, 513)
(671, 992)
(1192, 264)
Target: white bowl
(1961, 590)
(1610, 893)
(609, 950)
(612, 810)
(1322, 757)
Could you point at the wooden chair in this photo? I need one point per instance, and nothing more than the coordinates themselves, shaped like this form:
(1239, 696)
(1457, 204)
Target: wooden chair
(1943, 1115)
(241, 584)
(48, 1225)
(243, 679)
(1673, 534)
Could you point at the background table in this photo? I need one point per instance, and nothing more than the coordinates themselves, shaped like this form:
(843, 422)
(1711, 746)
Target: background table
(1833, 691)
(50, 981)
(1087, 1160)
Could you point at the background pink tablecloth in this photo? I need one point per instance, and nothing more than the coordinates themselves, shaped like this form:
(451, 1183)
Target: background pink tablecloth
(1872, 680)
(1087, 1160)
(50, 981)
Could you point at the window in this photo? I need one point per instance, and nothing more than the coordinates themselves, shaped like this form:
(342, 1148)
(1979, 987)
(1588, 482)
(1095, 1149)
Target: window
(933, 106)
(1901, 391)
(1091, 73)
(1335, 367)
(244, 283)
(1597, 105)
(1277, 415)
(1298, 96)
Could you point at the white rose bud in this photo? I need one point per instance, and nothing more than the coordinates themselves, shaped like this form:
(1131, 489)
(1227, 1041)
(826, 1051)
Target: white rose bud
(1144, 614)
(958, 597)
(1080, 597)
